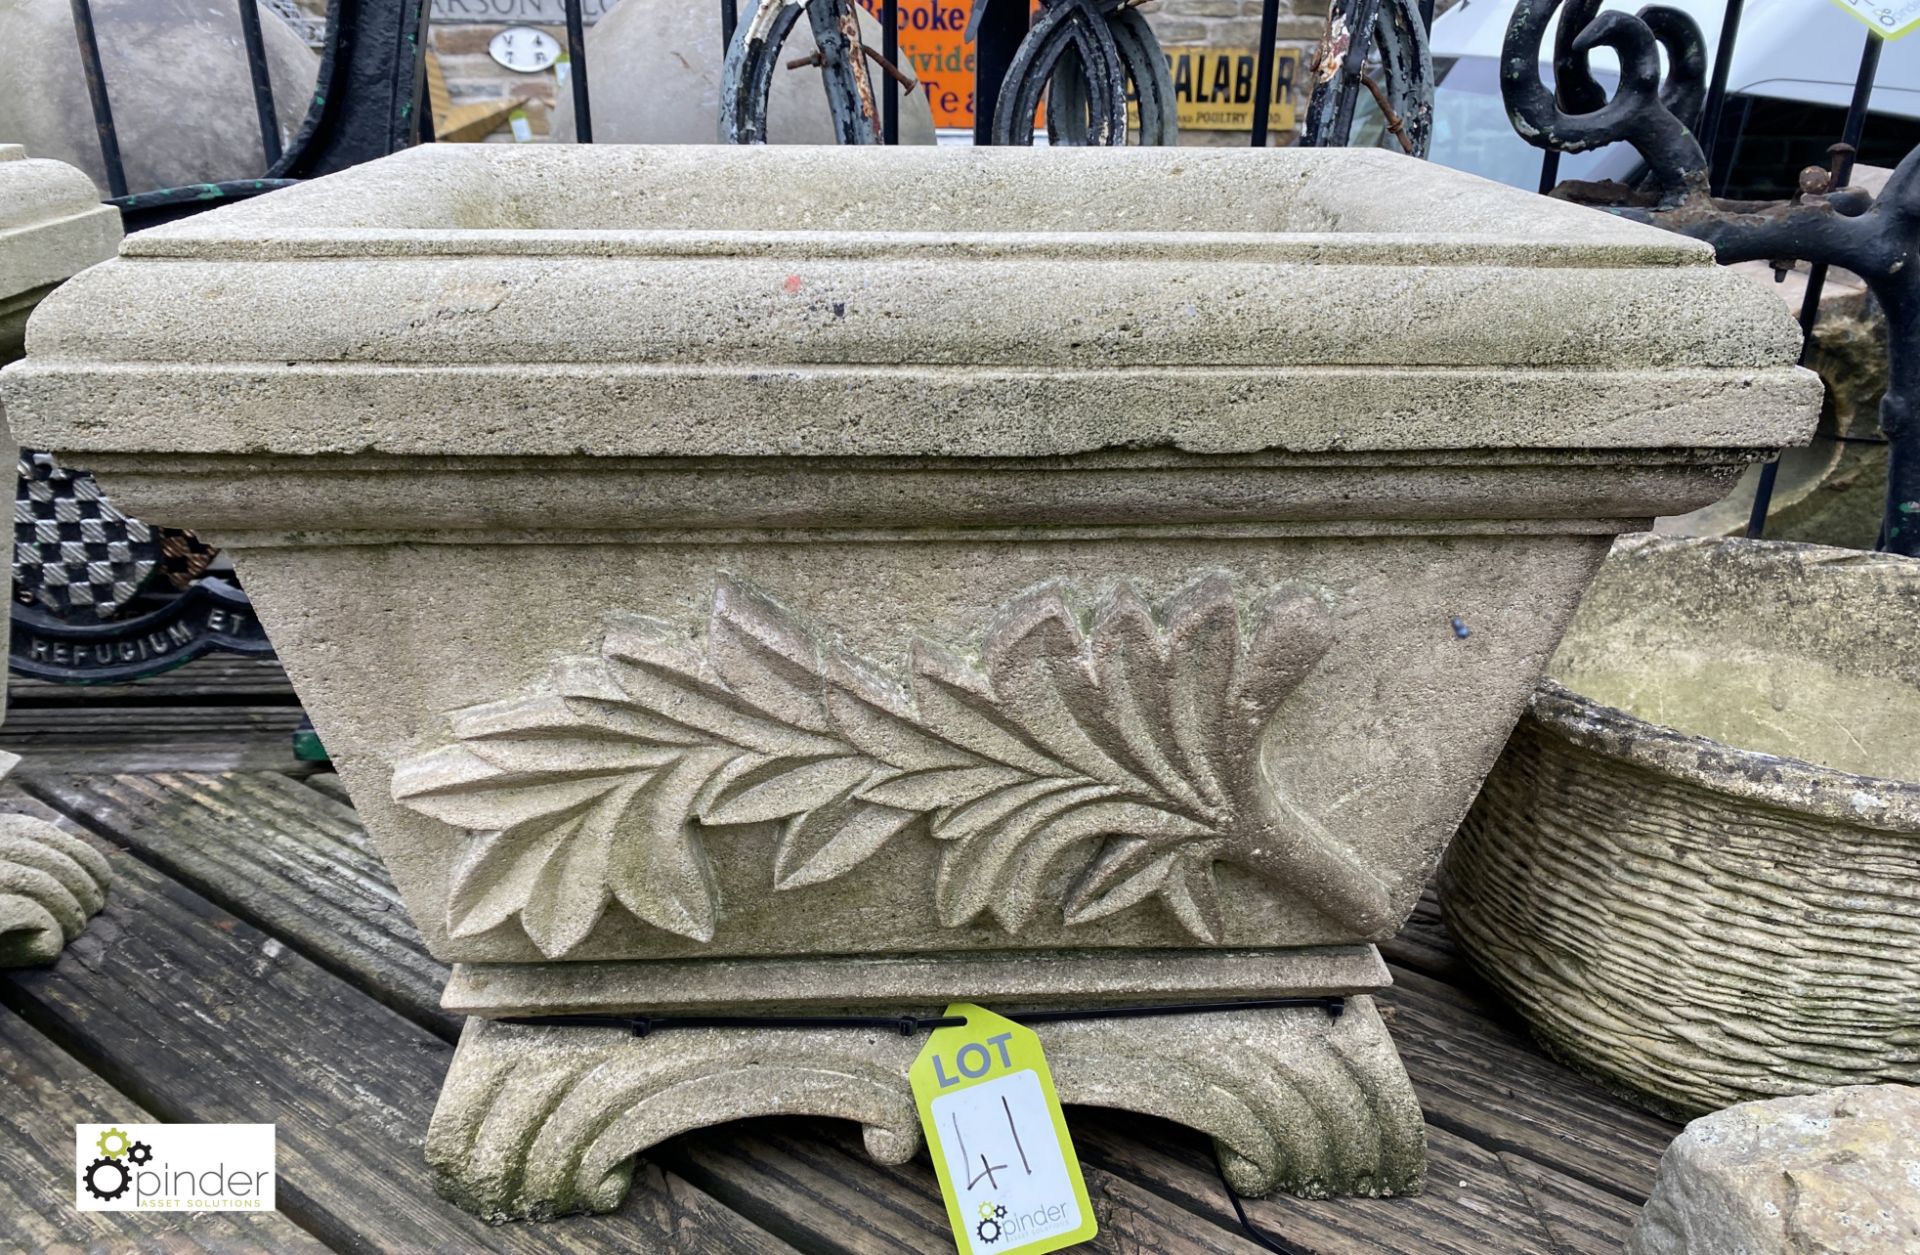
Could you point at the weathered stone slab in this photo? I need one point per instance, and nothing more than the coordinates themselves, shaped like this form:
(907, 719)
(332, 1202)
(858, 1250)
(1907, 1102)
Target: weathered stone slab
(691, 555)
(1065, 978)
(1837, 1171)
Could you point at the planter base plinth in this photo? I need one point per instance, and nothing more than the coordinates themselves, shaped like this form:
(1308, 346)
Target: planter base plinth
(536, 1122)
(1013, 980)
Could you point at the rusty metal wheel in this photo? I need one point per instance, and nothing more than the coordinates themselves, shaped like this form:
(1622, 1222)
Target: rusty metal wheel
(756, 53)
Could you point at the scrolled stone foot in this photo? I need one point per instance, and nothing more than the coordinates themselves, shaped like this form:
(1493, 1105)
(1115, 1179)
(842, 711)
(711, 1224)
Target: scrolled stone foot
(541, 1122)
(1296, 1100)
(51, 883)
(536, 1122)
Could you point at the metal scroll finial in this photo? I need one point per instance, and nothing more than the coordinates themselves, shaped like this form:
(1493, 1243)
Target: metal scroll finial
(1825, 224)
(1656, 117)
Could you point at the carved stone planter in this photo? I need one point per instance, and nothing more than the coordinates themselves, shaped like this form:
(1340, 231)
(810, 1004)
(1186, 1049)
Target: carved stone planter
(1696, 868)
(51, 224)
(753, 580)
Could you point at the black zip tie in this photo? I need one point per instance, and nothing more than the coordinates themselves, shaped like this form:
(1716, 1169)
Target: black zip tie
(1333, 1006)
(905, 1025)
(647, 1025)
(1280, 1246)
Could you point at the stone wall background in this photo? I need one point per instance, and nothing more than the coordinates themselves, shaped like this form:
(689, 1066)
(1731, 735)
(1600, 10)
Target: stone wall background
(1236, 23)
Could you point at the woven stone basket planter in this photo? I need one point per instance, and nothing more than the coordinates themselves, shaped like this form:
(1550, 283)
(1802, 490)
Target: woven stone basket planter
(1695, 870)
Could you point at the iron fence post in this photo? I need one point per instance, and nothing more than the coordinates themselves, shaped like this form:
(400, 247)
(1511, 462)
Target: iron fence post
(1850, 133)
(577, 72)
(1717, 83)
(262, 81)
(1263, 70)
(890, 90)
(97, 94)
(1002, 25)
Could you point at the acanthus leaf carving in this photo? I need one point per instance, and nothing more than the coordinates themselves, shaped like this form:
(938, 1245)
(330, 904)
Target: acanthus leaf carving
(1127, 734)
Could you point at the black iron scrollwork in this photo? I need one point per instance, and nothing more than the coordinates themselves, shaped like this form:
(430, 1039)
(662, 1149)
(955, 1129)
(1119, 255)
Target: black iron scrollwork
(1825, 224)
(754, 55)
(1087, 57)
(369, 99)
(1875, 237)
(1655, 117)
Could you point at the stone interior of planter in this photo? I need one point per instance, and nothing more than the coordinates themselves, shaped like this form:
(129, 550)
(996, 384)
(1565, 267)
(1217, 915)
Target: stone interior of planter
(1758, 647)
(682, 189)
(854, 579)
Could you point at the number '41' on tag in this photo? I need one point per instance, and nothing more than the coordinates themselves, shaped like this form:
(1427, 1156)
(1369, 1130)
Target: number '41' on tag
(999, 1143)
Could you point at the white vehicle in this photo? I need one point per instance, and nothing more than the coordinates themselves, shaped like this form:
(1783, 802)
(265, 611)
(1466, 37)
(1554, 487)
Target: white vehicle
(1794, 65)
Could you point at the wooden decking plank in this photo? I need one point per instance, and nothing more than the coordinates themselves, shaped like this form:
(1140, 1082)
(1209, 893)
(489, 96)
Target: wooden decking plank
(286, 858)
(122, 738)
(199, 1016)
(48, 1093)
(214, 678)
(328, 783)
(1469, 1207)
(1478, 1078)
(1486, 1082)
(811, 1181)
(778, 1174)
(1424, 945)
(1581, 1220)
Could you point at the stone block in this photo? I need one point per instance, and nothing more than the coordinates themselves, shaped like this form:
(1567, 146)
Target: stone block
(1832, 1173)
(52, 225)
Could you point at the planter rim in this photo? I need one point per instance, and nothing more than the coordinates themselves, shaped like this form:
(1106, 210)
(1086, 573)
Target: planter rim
(683, 301)
(1000, 200)
(1879, 803)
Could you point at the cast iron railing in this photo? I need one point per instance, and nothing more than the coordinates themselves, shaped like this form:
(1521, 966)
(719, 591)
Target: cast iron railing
(1672, 121)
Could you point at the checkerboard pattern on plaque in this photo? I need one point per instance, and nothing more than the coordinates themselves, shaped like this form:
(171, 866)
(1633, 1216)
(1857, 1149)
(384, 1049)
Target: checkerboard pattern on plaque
(73, 552)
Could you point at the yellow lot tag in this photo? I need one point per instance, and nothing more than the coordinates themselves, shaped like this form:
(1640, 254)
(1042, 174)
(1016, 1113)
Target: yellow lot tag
(1007, 1167)
(1891, 19)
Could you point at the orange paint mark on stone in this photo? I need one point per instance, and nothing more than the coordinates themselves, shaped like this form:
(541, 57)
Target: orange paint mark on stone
(792, 285)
